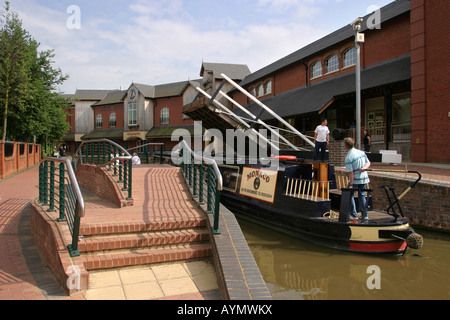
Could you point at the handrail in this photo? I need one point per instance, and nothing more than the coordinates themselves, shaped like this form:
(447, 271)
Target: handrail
(147, 144)
(107, 157)
(118, 146)
(196, 167)
(208, 160)
(75, 209)
(73, 181)
(146, 150)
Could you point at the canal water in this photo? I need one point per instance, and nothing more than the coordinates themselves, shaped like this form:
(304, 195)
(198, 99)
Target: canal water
(296, 270)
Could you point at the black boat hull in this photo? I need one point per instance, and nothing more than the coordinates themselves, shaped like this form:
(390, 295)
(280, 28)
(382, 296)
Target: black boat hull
(308, 218)
(341, 236)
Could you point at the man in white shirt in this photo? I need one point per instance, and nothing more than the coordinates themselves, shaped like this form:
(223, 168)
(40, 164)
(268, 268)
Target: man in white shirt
(321, 140)
(357, 164)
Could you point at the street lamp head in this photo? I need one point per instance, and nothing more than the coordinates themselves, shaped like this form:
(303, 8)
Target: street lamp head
(357, 24)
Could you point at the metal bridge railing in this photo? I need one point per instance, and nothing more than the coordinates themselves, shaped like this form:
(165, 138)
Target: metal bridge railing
(59, 190)
(203, 175)
(108, 155)
(148, 152)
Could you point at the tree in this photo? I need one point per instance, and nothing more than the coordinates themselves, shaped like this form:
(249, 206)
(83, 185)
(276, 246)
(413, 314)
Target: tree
(14, 75)
(27, 84)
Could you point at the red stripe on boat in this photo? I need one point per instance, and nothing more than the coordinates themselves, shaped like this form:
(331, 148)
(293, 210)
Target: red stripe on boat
(378, 247)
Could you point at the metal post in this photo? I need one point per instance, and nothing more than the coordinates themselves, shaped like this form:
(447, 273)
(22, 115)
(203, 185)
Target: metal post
(200, 185)
(52, 187)
(358, 95)
(130, 180)
(62, 195)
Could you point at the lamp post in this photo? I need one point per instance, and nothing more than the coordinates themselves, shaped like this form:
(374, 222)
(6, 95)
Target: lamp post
(359, 38)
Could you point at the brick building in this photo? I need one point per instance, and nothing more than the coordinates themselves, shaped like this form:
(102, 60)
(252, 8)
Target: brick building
(404, 79)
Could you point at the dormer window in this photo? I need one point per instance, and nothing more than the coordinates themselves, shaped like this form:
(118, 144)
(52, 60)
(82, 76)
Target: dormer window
(332, 64)
(316, 70)
(350, 57)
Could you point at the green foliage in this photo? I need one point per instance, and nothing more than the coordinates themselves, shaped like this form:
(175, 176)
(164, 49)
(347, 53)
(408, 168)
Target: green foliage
(28, 105)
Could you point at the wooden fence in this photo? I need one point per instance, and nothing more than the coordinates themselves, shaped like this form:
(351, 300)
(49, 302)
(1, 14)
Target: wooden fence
(17, 157)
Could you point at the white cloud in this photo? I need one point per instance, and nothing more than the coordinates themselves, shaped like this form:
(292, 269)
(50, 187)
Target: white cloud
(162, 41)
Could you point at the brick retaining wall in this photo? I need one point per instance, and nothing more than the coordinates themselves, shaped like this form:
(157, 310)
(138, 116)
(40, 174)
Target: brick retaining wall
(427, 205)
(100, 183)
(50, 239)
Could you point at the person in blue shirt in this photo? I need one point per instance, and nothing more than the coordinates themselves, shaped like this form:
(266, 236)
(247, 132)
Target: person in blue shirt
(356, 164)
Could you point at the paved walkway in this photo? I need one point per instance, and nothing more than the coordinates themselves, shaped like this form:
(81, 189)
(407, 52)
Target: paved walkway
(23, 275)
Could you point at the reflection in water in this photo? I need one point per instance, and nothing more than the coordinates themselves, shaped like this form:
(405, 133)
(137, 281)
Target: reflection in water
(296, 270)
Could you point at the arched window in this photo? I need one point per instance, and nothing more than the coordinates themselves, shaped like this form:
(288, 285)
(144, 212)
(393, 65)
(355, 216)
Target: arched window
(112, 119)
(165, 116)
(268, 87)
(260, 90)
(253, 92)
(350, 57)
(332, 64)
(99, 121)
(316, 70)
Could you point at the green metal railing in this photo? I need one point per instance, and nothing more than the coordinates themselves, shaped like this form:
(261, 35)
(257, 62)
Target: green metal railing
(148, 152)
(59, 190)
(203, 176)
(110, 156)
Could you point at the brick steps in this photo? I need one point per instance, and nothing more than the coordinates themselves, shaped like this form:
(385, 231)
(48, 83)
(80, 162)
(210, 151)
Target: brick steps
(140, 226)
(124, 244)
(145, 256)
(139, 240)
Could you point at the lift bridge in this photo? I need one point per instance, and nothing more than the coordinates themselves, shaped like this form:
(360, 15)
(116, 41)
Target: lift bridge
(215, 115)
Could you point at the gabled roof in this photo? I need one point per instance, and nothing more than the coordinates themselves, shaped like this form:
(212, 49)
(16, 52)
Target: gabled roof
(112, 97)
(147, 90)
(170, 89)
(234, 71)
(90, 95)
(388, 12)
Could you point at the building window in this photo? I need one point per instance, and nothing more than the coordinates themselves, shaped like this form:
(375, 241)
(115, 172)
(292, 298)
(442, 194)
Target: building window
(260, 90)
(253, 92)
(112, 119)
(165, 116)
(132, 114)
(99, 121)
(332, 64)
(350, 57)
(316, 70)
(268, 87)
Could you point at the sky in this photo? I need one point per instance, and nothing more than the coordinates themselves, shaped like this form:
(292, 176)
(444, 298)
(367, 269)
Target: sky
(109, 44)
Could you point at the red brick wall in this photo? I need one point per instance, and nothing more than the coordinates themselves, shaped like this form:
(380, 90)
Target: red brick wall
(426, 205)
(100, 183)
(389, 42)
(106, 111)
(175, 105)
(52, 245)
(430, 63)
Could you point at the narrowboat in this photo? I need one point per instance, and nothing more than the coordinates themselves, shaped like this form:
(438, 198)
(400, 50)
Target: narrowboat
(291, 194)
(308, 200)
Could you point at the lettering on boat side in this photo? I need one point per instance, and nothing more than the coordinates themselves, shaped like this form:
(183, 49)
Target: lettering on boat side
(225, 310)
